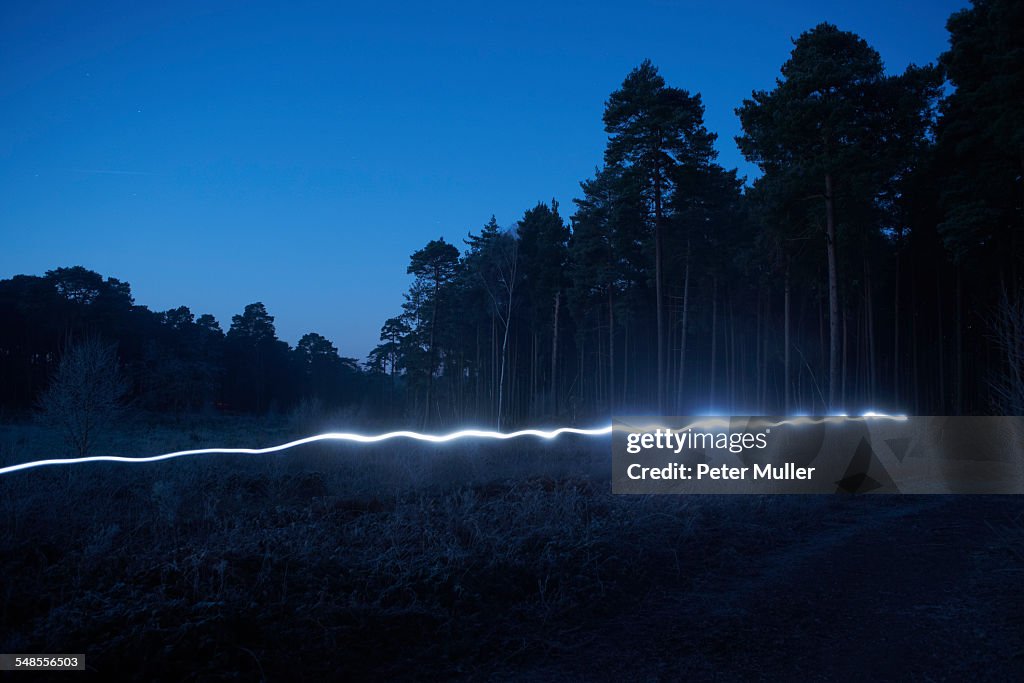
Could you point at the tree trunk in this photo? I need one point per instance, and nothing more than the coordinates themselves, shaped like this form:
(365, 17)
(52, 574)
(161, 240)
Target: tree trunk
(785, 316)
(598, 362)
(869, 311)
(657, 293)
(625, 367)
(831, 405)
(833, 292)
(394, 363)
(430, 367)
(959, 394)
(731, 360)
(554, 357)
(680, 396)
(714, 343)
(584, 373)
(822, 346)
(764, 351)
(476, 388)
(461, 404)
(501, 381)
(532, 374)
(914, 376)
(896, 336)
(494, 364)
(942, 360)
(611, 351)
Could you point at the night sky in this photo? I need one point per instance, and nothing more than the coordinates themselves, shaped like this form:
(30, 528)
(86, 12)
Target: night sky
(216, 154)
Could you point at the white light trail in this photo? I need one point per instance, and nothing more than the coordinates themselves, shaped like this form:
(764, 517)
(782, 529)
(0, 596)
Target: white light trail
(416, 436)
(330, 436)
(724, 422)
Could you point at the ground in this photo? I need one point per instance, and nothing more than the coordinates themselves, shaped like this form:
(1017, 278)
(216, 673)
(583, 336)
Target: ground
(486, 562)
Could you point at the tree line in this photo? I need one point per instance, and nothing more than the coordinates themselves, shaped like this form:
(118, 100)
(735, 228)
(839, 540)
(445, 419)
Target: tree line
(876, 263)
(172, 361)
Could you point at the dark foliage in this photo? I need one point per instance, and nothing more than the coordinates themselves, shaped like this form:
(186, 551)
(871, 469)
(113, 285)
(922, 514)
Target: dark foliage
(173, 361)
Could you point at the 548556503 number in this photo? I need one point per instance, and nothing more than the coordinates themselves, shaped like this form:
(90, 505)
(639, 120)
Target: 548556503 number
(42, 662)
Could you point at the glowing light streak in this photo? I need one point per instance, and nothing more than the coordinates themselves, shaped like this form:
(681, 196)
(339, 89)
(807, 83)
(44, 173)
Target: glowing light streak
(417, 436)
(712, 422)
(330, 436)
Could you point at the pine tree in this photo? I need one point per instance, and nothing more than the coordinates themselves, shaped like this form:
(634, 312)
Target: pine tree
(543, 251)
(434, 267)
(835, 127)
(654, 130)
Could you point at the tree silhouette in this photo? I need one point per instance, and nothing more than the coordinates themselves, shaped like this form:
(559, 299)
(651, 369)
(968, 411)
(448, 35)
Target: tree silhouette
(655, 129)
(830, 126)
(321, 368)
(544, 254)
(434, 268)
(257, 360)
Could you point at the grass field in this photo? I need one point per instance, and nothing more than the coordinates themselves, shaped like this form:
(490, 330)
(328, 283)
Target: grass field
(482, 561)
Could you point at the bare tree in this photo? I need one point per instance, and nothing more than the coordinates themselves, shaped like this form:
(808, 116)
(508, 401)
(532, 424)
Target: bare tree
(1008, 334)
(85, 394)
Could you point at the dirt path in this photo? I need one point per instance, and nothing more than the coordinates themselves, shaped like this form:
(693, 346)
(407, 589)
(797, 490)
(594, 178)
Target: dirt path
(916, 590)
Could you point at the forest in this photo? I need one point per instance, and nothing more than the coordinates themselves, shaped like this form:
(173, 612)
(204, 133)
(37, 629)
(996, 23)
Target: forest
(876, 263)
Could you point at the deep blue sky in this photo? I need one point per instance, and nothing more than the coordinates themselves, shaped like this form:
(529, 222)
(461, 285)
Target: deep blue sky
(297, 154)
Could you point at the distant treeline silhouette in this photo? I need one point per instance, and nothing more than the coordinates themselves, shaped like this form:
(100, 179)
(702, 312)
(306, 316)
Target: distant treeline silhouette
(876, 264)
(174, 361)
